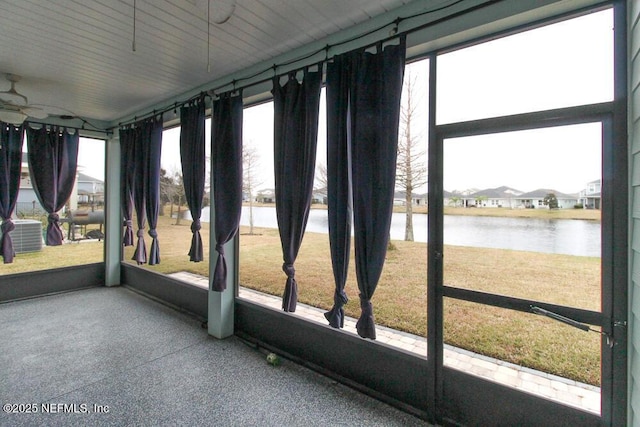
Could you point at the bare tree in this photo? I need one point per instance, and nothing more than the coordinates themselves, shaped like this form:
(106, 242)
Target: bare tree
(172, 191)
(166, 191)
(179, 194)
(320, 183)
(206, 200)
(250, 180)
(411, 171)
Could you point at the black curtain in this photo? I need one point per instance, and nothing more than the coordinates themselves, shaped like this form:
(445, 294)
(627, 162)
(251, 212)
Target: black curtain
(296, 108)
(53, 161)
(192, 156)
(126, 179)
(373, 110)
(10, 165)
(139, 192)
(338, 181)
(145, 169)
(226, 149)
(152, 139)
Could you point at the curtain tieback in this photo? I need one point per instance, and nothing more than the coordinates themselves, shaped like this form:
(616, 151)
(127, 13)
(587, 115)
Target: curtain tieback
(366, 306)
(335, 316)
(53, 217)
(127, 223)
(140, 233)
(7, 226)
(220, 249)
(340, 299)
(196, 226)
(365, 326)
(153, 233)
(289, 270)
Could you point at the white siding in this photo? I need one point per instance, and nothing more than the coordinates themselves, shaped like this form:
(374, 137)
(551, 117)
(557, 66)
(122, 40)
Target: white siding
(634, 141)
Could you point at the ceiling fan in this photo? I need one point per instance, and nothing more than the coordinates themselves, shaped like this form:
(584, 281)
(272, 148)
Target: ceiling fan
(15, 107)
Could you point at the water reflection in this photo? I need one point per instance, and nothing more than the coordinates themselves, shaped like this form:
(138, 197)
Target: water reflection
(559, 236)
(562, 236)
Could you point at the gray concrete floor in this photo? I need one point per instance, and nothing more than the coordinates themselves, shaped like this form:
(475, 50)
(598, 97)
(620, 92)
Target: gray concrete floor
(108, 356)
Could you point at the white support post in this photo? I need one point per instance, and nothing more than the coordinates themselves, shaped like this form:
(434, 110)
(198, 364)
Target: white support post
(113, 216)
(222, 304)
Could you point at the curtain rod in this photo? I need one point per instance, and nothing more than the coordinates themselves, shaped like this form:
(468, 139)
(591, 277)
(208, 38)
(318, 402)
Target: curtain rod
(156, 112)
(107, 132)
(395, 34)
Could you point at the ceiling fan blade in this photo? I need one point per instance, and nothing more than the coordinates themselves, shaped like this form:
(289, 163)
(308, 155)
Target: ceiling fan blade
(36, 113)
(12, 96)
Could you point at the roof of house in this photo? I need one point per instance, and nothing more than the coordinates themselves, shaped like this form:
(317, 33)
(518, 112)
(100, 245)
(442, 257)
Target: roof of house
(502, 192)
(86, 178)
(541, 193)
(461, 193)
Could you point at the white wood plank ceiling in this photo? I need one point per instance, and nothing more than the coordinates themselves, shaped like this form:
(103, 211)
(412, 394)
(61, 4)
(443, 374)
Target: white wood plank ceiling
(77, 55)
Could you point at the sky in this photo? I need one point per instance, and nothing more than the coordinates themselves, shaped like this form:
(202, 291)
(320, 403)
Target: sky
(565, 64)
(91, 157)
(559, 65)
(563, 159)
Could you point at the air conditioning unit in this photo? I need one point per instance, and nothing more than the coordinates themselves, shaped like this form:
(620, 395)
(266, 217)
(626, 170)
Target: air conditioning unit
(27, 236)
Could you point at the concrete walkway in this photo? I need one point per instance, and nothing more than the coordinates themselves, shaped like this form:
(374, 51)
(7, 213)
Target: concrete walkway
(565, 391)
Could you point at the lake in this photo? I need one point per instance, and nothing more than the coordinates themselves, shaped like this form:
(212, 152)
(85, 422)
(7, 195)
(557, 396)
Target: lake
(562, 236)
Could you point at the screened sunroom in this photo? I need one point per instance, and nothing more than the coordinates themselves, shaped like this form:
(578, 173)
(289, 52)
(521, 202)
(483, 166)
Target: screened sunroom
(387, 212)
